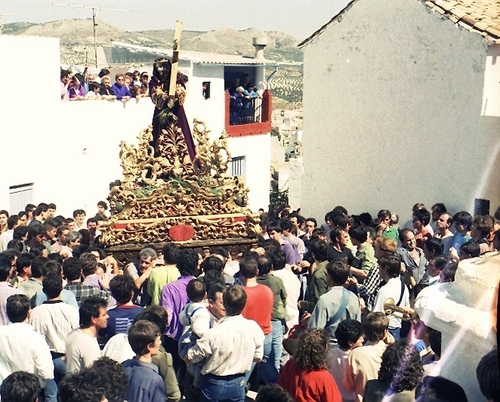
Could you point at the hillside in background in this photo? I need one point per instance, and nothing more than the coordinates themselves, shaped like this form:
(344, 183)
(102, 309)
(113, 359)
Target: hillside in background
(76, 38)
(77, 34)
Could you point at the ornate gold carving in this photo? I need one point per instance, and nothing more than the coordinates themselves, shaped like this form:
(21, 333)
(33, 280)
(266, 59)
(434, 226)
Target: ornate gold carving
(158, 193)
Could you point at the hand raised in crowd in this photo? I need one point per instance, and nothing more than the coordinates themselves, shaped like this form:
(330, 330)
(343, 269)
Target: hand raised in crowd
(104, 280)
(304, 319)
(453, 254)
(352, 282)
(389, 339)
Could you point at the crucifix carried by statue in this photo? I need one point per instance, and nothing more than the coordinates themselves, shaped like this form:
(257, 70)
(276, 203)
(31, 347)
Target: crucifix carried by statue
(167, 89)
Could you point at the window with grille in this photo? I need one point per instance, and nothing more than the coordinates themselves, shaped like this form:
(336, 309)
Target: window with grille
(238, 166)
(20, 195)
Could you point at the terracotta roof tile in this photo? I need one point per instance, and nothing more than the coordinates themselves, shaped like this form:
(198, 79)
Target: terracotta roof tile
(495, 32)
(481, 26)
(458, 12)
(480, 16)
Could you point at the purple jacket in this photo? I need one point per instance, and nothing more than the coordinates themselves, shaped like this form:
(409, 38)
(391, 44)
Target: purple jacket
(120, 91)
(173, 299)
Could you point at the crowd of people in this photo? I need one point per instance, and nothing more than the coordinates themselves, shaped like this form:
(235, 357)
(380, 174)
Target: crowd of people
(302, 316)
(244, 100)
(88, 86)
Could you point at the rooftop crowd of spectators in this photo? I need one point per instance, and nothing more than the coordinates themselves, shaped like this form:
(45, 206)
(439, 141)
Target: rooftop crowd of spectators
(88, 86)
(245, 100)
(300, 317)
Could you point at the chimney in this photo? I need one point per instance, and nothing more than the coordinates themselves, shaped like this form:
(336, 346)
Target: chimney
(259, 44)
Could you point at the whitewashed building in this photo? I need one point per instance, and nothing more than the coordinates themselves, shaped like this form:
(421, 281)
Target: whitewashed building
(402, 105)
(68, 152)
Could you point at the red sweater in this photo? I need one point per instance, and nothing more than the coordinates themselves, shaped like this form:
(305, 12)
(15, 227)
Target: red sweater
(259, 306)
(308, 386)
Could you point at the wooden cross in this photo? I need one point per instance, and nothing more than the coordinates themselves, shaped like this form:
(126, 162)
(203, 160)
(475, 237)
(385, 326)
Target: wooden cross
(175, 58)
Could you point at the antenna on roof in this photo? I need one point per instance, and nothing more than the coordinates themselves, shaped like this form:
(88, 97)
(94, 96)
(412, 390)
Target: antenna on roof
(94, 19)
(1, 15)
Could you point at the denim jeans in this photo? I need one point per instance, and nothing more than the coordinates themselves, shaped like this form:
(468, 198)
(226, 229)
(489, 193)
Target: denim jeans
(278, 331)
(396, 333)
(269, 368)
(266, 369)
(223, 389)
(59, 369)
(50, 390)
(264, 373)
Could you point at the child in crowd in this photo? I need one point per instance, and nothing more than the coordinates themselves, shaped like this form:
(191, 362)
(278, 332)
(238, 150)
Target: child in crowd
(145, 382)
(195, 318)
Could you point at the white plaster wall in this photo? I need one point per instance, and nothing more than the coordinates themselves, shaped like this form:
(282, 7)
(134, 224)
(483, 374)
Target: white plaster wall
(392, 113)
(208, 110)
(70, 150)
(257, 149)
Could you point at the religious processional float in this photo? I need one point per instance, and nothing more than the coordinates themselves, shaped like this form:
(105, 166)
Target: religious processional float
(175, 186)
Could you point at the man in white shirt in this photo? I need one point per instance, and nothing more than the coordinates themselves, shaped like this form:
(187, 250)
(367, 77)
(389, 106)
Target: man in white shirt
(82, 348)
(389, 269)
(54, 320)
(224, 370)
(21, 347)
(444, 233)
(8, 235)
(6, 270)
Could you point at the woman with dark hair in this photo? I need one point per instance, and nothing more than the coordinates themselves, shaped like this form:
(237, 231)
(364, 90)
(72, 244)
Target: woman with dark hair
(273, 393)
(305, 377)
(400, 372)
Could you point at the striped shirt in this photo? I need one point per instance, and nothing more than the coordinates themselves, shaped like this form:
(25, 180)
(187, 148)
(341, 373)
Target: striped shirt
(55, 320)
(120, 319)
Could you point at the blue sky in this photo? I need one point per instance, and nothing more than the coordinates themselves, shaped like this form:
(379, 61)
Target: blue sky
(297, 18)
